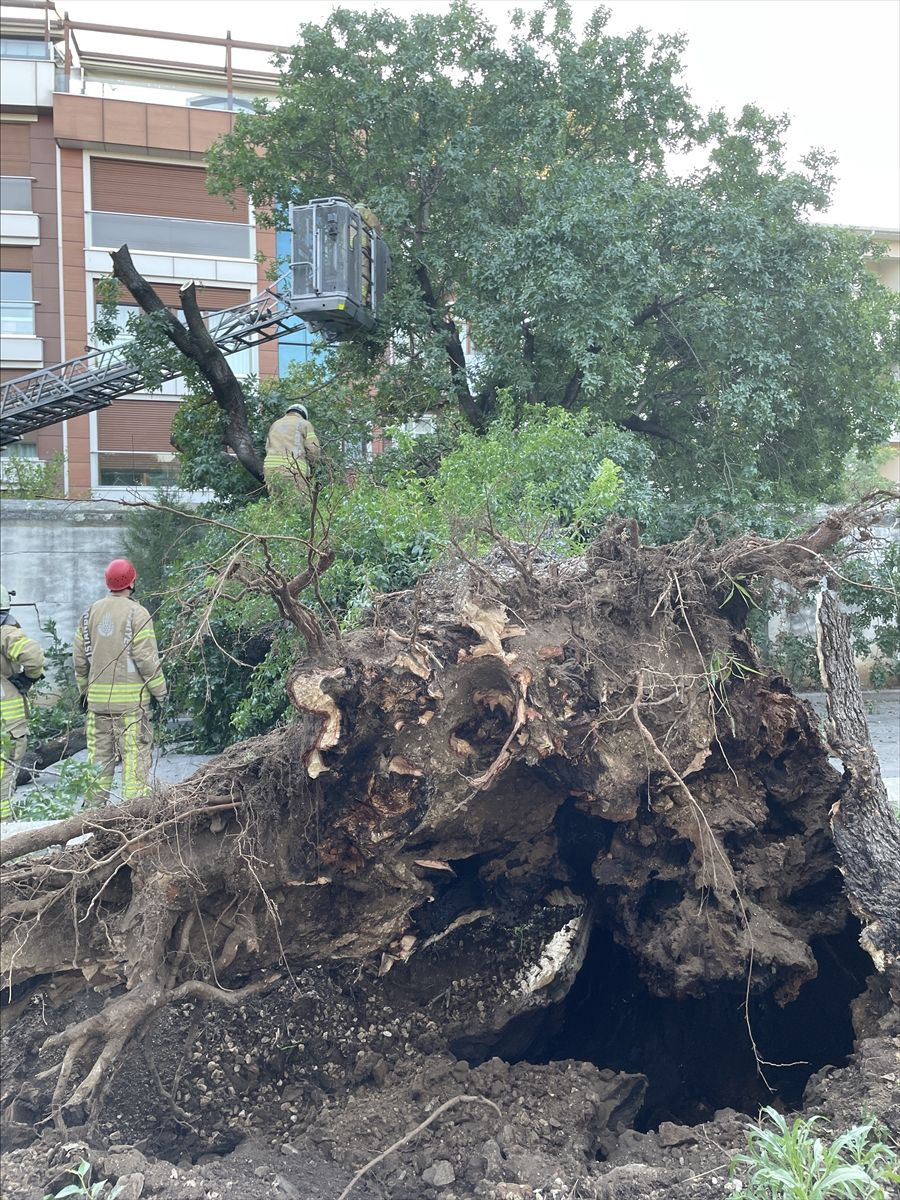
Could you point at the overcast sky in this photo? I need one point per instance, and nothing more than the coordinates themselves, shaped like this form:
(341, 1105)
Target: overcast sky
(832, 65)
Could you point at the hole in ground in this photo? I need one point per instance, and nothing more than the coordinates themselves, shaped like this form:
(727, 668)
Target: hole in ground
(695, 1053)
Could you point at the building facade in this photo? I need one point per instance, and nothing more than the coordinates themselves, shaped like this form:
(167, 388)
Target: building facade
(102, 142)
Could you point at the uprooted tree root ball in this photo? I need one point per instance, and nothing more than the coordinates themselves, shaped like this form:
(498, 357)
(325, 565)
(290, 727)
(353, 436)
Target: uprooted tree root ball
(545, 840)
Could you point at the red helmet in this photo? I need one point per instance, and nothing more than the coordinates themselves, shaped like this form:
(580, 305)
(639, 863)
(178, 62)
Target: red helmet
(120, 575)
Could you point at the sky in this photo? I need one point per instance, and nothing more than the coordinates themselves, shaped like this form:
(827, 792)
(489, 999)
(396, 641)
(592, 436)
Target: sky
(833, 66)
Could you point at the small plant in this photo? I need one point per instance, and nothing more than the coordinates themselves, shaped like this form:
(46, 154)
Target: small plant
(77, 786)
(792, 1162)
(102, 1189)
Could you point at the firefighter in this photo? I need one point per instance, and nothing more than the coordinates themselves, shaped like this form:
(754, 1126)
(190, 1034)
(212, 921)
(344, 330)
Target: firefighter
(291, 448)
(120, 682)
(21, 665)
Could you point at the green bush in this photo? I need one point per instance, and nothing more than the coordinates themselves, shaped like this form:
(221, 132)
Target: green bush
(55, 711)
(82, 1186)
(792, 1162)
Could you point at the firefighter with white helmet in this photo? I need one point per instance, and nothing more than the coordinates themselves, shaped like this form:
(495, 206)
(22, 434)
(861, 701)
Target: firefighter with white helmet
(21, 665)
(119, 678)
(291, 448)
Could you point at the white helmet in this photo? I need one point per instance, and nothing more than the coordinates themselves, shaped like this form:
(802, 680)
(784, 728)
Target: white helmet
(299, 408)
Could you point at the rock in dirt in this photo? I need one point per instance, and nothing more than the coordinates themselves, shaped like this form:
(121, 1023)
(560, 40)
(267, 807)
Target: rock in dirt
(439, 1174)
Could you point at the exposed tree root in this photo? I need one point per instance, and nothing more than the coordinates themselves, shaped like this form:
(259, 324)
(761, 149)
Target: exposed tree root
(520, 744)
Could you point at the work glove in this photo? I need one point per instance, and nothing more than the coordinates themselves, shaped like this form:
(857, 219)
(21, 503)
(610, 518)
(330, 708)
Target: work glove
(155, 706)
(23, 682)
(82, 702)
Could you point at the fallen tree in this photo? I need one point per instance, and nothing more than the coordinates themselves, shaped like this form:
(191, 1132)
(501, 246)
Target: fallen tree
(521, 767)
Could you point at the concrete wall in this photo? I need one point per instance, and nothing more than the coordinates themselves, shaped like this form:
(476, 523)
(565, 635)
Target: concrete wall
(53, 554)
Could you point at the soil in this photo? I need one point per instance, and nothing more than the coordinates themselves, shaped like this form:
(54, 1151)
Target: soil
(295, 1120)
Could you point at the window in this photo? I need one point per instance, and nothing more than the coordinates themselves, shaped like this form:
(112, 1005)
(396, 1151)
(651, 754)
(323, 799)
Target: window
(23, 48)
(15, 193)
(16, 307)
(127, 468)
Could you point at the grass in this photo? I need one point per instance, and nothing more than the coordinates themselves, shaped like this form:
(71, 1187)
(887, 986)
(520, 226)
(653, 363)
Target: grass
(798, 1162)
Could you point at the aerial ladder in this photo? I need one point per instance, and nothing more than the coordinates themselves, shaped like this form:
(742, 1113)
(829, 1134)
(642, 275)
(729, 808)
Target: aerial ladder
(336, 283)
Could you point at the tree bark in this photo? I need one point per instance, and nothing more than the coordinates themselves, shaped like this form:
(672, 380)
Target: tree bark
(197, 343)
(866, 831)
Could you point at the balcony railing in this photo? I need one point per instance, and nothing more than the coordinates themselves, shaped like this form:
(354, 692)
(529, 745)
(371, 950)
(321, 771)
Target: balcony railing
(75, 84)
(17, 317)
(15, 193)
(169, 235)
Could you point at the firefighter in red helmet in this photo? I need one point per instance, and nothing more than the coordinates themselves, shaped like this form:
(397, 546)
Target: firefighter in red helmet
(120, 680)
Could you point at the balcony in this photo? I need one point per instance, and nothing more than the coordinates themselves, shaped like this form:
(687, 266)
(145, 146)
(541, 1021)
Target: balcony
(26, 83)
(75, 84)
(19, 226)
(169, 235)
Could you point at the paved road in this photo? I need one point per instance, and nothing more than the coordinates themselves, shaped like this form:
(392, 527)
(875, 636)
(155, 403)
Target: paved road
(882, 711)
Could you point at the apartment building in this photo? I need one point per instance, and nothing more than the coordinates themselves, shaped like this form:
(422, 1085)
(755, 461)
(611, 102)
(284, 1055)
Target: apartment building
(103, 134)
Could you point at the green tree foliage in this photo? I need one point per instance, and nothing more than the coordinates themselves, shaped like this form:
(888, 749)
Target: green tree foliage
(525, 193)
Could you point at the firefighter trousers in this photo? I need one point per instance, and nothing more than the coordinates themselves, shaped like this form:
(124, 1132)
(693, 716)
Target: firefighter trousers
(124, 737)
(9, 769)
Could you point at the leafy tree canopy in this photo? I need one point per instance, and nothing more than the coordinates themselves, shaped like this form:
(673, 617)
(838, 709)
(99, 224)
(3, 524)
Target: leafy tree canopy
(526, 195)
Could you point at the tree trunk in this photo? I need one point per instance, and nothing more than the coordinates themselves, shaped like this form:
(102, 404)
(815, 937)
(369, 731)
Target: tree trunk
(866, 831)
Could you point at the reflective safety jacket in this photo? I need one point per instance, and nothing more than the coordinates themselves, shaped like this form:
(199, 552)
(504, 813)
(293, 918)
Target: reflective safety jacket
(116, 659)
(291, 445)
(19, 655)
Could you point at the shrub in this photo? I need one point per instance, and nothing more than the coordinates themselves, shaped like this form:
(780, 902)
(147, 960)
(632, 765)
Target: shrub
(61, 714)
(76, 787)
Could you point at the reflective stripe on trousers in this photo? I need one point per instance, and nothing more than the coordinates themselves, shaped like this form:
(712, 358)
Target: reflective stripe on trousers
(9, 770)
(127, 737)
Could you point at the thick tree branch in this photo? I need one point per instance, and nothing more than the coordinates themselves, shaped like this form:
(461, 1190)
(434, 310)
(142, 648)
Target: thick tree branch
(196, 343)
(650, 428)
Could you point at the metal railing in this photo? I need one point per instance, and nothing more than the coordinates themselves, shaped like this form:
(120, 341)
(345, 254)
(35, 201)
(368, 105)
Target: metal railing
(169, 235)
